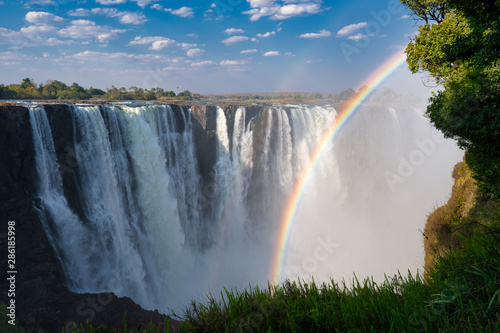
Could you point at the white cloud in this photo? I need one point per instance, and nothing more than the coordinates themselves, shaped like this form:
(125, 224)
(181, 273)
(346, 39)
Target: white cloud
(13, 58)
(234, 39)
(289, 54)
(28, 3)
(145, 40)
(80, 12)
(186, 46)
(351, 29)
(203, 63)
(232, 31)
(404, 17)
(132, 18)
(183, 12)
(255, 40)
(43, 18)
(267, 34)
(357, 37)
(257, 13)
(208, 13)
(34, 31)
(39, 35)
(249, 51)
(144, 3)
(232, 62)
(271, 54)
(293, 10)
(95, 56)
(281, 10)
(110, 2)
(160, 43)
(193, 35)
(194, 52)
(14, 38)
(313, 61)
(8, 57)
(52, 41)
(85, 29)
(124, 17)
(321, 34)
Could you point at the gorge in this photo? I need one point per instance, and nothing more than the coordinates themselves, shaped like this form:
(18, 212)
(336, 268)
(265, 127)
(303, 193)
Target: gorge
(166, 203)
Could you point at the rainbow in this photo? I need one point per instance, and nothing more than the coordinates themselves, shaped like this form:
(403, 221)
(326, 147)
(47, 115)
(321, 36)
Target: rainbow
(294, 200)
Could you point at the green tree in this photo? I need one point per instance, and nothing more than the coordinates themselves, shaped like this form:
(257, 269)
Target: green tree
(148, 95)
(115, 93)
(75, 87)
(346, 94)
(6, 93)
(428, 10)
(51, 89)
(186, 94)
(95, 92)
(462, 54)
(28, 83)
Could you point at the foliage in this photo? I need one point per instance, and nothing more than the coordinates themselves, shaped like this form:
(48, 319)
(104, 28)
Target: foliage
(59, 90)
(428, 10)
(462, 53)
(308, 307)
(465, 214)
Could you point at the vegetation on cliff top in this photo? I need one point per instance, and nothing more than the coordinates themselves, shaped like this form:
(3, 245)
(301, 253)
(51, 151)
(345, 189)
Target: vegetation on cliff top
(57, 90)
(461, 53)
(54, 89)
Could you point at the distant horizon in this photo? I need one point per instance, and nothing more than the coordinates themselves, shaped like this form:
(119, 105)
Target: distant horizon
(259, 93)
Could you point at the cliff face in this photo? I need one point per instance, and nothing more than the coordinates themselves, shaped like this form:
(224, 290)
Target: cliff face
(42, 299)
(204, 125)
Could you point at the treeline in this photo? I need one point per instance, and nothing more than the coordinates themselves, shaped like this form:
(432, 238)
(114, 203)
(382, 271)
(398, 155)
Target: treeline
(290, 98)
(57, 90)
(28, 89)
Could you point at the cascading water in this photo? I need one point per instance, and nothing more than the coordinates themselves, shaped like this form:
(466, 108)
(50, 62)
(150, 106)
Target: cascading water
(144, 223)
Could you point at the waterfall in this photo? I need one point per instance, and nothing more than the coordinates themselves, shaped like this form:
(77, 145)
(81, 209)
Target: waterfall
(143, 221)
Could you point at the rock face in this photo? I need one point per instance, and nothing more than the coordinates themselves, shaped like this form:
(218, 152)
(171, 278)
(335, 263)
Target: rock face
(43, 302)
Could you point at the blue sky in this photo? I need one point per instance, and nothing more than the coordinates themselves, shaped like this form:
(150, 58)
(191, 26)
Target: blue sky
(221, 46)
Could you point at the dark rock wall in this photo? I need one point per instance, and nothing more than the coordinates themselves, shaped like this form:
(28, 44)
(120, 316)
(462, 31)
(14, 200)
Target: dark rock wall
(204, 121)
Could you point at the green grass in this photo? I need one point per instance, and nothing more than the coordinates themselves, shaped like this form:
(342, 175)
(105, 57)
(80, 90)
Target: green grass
(461, 294)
